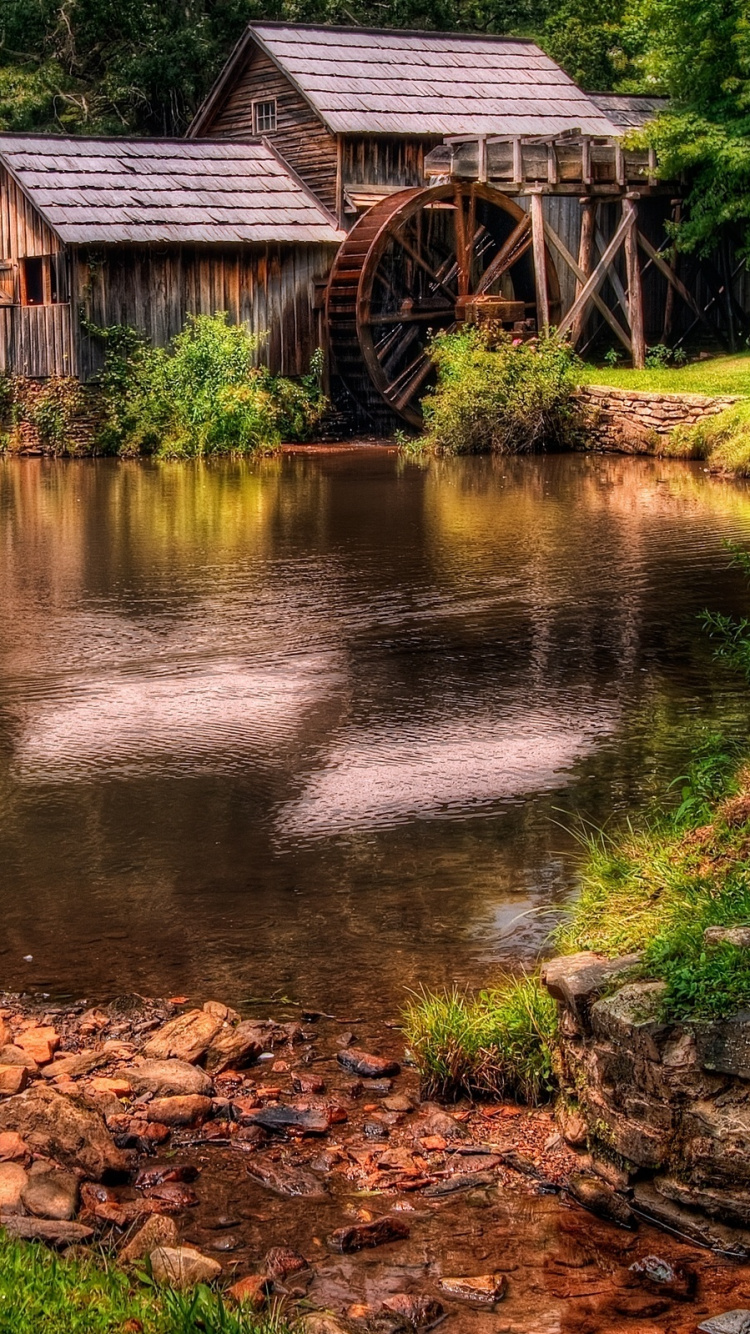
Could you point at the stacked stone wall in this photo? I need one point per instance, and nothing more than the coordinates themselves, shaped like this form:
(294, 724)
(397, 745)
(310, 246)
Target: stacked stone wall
(635, 422)
(53, 416)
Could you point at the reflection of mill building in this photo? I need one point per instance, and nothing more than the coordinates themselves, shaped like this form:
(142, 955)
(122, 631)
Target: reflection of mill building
(453, 176)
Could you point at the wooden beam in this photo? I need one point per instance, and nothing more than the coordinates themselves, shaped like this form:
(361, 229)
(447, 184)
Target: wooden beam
(585, 259)
(597, 278)
(482, 158)
(540, 261)
(635, 291)
(519, 240)
(517, 161)
(613, 276)
(600, 304)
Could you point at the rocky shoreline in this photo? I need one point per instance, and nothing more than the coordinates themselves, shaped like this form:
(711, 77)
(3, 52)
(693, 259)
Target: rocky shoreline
(294, 1159)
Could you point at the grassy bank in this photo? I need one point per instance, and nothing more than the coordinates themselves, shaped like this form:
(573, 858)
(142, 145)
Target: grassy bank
(41, 1293)
(719, 375)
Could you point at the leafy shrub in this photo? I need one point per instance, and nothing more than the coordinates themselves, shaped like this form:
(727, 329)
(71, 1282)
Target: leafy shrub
(498, 394)
(202, 395)
(498, 1042)
(57, 410)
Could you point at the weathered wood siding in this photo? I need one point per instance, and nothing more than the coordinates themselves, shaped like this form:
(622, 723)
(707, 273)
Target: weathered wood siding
(271, 288)
(300, 136)
(384, 160)
(34, 340)
(22, 230)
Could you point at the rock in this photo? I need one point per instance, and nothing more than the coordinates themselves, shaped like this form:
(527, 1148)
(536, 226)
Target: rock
(39, 1043)
(250, 1291)
(572, 1126)
(639, 1305)
(185, 1038)
(235, 1048)
(398, 1103)
(13, 1079)
(118, 1088)
(311, 1121)
(222, 1012)
(173, 1197)
(631, 1018)
(57, 1127)
(361, 1236)
(714, 1135)
(418, 1309)
(159, 1230)
(282, 1261)
(724, 1045)
(13, 1182)
(184, 1110)
(730, 1322)
(483, 1290)
(458, 1182)
(183, 1266)
(70, 1067)
(367, 1066)
(291, 1181)
(728, 935)
(732, 1241)
(308, 1084)
(597, 1196)
(578, 979)
(661, 1276)
(167, 1079)
(13, 1055)
(6, 1036)
(322, 1322)
(12, 1147)
(45, 1229)
(149, 1177)
(729, 1205)
(51, 1195)
(438, 1122)
(375, 1130)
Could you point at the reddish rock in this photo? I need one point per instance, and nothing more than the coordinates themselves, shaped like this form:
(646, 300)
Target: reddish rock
(51, 1195)
(482, 1290)
(60, 1128)
(39, 1043)
(118, 1087)
(235, 1048)
(283, 1180)
(185, 1038)
(13, 1055)
(250, 1291)
(366, 1065)
(148, 1177)
(179, 1111)
(166, 1079)
(70, 1067)
(45, 1229)
(281, 1262)
(419, 1310)
(308, 1084)
(13, 1182)
(159, 1230)
(172, 1197)
(13, 1079)
(309, 1121)
(12, 1147)
(361, 1236)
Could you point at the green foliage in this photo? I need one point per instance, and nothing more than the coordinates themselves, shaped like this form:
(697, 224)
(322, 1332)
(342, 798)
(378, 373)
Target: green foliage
(659, 357)
(497, 394)
(40, 1293)
(203, 395)
(586, 37)
(498, 1042)
(723, 441)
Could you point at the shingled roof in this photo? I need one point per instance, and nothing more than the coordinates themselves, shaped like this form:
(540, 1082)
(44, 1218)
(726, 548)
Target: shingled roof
(380, 81)
(629, 110)
(148, 190)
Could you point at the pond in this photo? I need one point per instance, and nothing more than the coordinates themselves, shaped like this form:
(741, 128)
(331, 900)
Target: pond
(328, 726)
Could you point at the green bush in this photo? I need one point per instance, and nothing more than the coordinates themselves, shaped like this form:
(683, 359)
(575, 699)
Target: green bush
(498, 394)
(202, 395)
(498, 1042)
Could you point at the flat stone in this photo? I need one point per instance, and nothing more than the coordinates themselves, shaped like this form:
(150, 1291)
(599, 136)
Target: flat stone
(481, 1290)
(578, 979)
(158, 1230)
(182, 1267)
(14, 1055)
(252, 1291)
(165, 1079)
(57, 1127)
(221, 1012)
(183, 1110)
(235, 1048)
(599, 1198)
(733, 1242)
(51, 1195)
(70, 1067)
(13, 1079)
(185, 1038)
(714, 1135)
(366, 1065)
(13, 1182)
(362, 1236)
(458, 1182)
(730, 1322)
(39, 1042)
(434, 1121)
(724, 1045)
(311, 1121)
(281, 1262)
(283, 1180)
(45, 1229)
(398, 1103)
(631, 1019)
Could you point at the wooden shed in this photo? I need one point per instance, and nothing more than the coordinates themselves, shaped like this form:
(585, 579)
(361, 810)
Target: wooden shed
(355, 110)
(143, 232)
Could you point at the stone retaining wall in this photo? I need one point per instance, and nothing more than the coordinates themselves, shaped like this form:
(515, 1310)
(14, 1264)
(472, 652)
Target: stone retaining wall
(54, 416)
(635, 422)
(663, 1108)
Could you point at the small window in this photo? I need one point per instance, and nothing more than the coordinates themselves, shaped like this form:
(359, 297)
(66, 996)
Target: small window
(264, 117)
(44, 280)
(33, 270)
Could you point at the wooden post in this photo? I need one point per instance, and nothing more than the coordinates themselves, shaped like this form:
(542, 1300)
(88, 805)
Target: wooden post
(585, 257)
(517, 162)
(482, 158)
(635, 293)
(540, 261)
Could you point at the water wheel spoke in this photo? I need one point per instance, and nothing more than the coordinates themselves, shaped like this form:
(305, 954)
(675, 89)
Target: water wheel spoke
(423, 264)
(419, 313)
(509, 253)
(390, 362)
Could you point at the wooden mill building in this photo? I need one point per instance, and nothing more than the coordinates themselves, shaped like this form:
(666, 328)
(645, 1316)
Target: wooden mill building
(346, 187)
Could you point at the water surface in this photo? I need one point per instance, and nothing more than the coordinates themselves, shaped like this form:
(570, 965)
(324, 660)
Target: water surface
(322, 727)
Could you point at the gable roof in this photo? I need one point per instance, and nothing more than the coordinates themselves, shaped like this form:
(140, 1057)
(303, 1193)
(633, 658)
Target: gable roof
(391, 81)
(629, 110)
(149, 190)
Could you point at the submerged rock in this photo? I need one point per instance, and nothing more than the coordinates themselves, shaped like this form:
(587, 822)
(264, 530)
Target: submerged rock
(311, 1121)
(482, 1290)
(419, 1310)
(661, 1276)
(361, 1236)
(367, 1066)
(601, 1199)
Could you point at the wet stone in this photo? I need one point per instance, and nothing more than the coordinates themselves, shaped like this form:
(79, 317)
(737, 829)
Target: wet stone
(282, 1261)
(57, 1127)
(435, 1121)
(311, 1121)
(361, 1236)
(599, 1197)
(418, 1310)
(729, 1322)
(482, 1290)
(366, 1065)
(661, 1276)
(235, 1048)
(167, 1079)
(225, 1243)
(375, 1130)
(283, 1180)
(187, 1110)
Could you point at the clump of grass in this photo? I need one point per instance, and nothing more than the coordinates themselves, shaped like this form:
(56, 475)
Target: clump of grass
(722, 441)
(41, 1293)
(498, 1042)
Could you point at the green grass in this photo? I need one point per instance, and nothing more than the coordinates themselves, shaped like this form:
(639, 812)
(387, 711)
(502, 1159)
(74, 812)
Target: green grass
(720, 375)
(497, 1042)
(656, 890)
(722, 441)
(41, 1293)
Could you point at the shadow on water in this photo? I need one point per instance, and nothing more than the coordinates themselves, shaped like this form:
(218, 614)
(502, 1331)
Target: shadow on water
(320, 726)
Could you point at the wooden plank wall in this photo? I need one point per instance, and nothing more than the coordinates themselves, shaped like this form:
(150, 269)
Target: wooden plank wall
(384, 160)
(34, 340)
(271, 288)
(300, 136)
(22, 231)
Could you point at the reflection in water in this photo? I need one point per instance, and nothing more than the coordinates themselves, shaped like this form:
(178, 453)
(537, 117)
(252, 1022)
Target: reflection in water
(323, 724)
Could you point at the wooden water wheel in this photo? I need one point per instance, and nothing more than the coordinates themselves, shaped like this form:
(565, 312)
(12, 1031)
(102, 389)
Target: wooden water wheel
(420, 261)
